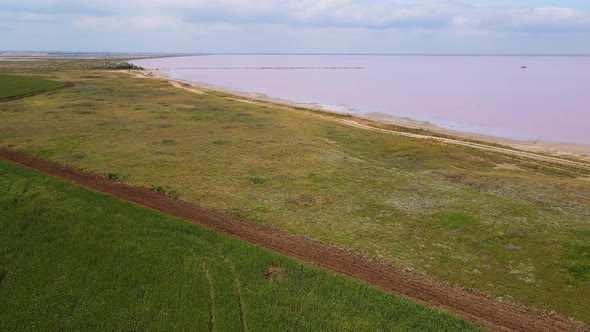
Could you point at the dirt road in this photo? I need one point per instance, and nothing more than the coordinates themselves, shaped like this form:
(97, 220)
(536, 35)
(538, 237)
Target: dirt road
(393, 279)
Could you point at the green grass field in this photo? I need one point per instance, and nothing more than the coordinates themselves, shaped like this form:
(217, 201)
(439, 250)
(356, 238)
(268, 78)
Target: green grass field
(73, 259)
(519, 233)
(14, 86)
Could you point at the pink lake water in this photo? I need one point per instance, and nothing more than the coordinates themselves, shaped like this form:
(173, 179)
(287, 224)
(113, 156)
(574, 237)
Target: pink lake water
(490, 95)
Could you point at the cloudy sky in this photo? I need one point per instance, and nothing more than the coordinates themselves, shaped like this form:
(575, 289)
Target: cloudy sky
(298, 26)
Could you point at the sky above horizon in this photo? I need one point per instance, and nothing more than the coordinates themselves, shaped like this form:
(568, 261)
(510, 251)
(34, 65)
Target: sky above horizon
(304, 26)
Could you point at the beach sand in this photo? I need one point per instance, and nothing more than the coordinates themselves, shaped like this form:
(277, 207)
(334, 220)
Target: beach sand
(551, 148)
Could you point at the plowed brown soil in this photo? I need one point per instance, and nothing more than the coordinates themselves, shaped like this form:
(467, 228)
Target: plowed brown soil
(466, 303)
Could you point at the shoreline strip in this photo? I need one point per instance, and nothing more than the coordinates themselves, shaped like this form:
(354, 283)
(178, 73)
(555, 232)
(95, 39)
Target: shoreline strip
(555, 149)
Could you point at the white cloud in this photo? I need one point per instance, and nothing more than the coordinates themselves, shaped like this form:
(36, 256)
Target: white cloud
(124, 22)
(361, 25)
(369, 14)
(30, 17)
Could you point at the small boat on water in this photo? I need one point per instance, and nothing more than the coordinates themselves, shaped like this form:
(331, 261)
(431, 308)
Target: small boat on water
(523, 67)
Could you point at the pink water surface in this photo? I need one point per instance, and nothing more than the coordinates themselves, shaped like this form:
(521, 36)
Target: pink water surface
(491, 95)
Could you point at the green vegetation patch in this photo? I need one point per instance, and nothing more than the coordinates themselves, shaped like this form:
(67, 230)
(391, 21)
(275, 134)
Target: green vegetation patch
(74, 259)
(124, 65)
(17, 86)
(455, 220)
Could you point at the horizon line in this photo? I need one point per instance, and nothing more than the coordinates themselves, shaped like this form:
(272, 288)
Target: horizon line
(54, 52)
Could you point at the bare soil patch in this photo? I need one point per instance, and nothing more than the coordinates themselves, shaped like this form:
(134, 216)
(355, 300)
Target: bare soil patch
(246, 101)
(510, 167)
(394, 279)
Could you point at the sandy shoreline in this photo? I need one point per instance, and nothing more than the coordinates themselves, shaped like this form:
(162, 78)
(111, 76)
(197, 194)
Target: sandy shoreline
(552, 148)
(568, 150)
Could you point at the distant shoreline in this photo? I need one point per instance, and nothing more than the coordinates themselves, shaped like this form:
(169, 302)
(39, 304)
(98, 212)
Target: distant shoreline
(52, 54)
(460, 93)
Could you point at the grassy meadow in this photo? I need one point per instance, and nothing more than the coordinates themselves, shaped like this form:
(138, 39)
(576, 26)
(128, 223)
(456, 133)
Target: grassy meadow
(74, 259)
(15, 86)
(514, 228)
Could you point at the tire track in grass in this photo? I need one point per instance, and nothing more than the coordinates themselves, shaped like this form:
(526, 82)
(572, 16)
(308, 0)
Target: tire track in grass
(241, 305)
(226, 309)
(211, 297)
